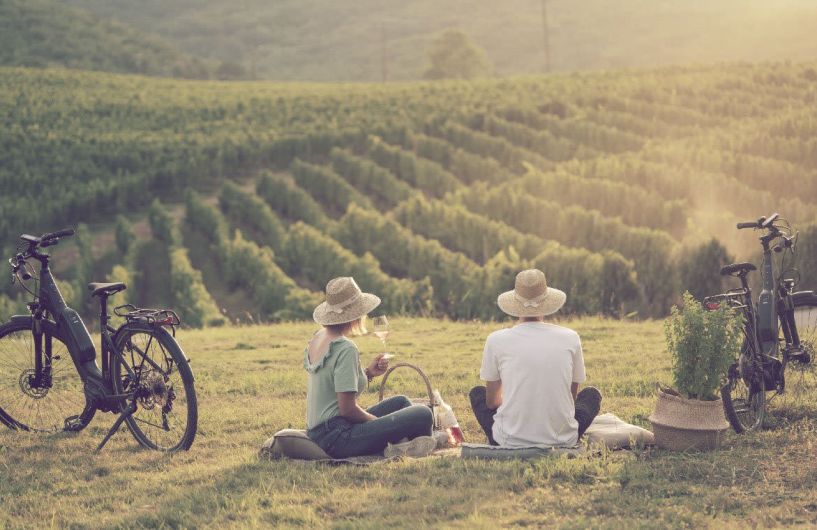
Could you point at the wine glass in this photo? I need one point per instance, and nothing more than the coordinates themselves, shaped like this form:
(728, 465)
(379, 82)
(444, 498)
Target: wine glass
(381, 328)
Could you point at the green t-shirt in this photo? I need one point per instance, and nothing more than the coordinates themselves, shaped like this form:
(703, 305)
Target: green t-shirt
(338, 370)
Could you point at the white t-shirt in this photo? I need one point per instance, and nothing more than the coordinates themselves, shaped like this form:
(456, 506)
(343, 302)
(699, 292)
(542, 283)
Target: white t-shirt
(536, 363)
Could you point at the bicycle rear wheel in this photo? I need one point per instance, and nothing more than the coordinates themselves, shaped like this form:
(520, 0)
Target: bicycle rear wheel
(154, 368)
(744, 398)
(27, 404)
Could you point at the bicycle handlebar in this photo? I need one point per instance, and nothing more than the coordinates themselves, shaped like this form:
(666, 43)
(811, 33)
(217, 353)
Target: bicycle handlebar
(763, 222)
(65, 232)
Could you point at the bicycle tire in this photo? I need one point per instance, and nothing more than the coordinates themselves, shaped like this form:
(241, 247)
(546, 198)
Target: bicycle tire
(26, 408)
(149, 421)
(740, 417)
(801, 377)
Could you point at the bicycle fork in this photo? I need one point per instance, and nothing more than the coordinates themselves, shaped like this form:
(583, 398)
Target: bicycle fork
(41, 379)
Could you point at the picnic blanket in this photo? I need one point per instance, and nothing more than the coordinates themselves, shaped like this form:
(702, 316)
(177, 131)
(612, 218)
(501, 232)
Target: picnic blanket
(295, 444)
(607, 430)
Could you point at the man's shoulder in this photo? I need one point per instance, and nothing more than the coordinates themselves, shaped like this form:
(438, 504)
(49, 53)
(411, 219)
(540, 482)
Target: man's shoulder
(563, 331)
(498, 334)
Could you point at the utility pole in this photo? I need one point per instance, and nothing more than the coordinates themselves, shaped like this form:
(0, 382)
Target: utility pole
(546, 35)
(384, 72)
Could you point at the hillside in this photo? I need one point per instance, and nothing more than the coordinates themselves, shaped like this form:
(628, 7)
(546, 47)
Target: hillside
(432, 194)
(47, 33)
(324, 40)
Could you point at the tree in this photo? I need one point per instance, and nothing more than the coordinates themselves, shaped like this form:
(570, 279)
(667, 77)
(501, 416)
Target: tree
(84, 271)
(124, 234)
(700, 269)
(162, 225)
(453, 55)
(229, 70)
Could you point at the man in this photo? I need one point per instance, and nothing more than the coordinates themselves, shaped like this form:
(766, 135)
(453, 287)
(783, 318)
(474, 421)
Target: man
(532, 373)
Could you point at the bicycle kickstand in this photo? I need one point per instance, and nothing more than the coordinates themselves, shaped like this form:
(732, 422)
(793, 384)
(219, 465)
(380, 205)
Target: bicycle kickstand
(118, 423)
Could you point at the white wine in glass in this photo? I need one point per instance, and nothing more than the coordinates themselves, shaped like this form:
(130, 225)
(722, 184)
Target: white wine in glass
(381, 328)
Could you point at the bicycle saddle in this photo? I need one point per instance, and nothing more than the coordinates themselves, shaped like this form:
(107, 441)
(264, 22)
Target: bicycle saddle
(737, 269)
(106, 289)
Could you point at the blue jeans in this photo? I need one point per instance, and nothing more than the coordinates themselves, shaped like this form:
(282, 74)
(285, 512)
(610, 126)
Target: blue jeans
(396, 419)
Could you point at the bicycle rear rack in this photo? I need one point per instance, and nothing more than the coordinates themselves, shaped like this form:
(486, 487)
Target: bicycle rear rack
(733, 299)
(161, 317)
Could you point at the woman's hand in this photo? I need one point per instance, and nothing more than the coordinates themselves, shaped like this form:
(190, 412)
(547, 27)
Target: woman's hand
(378, 366)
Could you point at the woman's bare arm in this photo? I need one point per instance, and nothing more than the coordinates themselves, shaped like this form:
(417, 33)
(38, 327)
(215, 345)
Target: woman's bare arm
(349, 409)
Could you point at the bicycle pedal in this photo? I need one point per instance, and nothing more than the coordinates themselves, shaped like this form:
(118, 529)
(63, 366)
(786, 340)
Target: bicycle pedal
(73, 424)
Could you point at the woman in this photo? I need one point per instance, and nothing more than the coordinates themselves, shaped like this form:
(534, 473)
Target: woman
(335, 421)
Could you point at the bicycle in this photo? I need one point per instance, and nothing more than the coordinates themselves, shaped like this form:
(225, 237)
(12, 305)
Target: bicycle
(49, 377)
(779, 330)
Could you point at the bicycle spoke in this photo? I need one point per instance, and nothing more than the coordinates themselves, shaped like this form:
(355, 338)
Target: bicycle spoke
(149, 423)
(800, 393)
(152, 366)
(40, 409)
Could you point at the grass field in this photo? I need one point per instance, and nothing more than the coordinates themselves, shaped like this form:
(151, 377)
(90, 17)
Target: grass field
(251, 383)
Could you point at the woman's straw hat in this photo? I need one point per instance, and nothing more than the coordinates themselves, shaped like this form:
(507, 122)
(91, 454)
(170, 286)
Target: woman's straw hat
(344, 303)
(531, 296)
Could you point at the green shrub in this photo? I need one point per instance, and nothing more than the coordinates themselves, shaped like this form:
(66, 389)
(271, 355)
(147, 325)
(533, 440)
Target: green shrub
(703, 344)
(124, 234)
(327, 187)
(11, 306)
(290, 201)
(372, 179)
(206, 219)
(315, 257)
(252, 214)
(162, 225)
(191, 299)
(420, 173)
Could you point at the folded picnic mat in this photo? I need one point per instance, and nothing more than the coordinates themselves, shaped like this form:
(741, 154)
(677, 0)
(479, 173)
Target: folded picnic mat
(614, 433)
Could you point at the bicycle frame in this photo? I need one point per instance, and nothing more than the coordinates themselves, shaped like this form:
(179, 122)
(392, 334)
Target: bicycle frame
(51, 319)
(78, 339)
(97, 383)
(773, 312)
(766, 304)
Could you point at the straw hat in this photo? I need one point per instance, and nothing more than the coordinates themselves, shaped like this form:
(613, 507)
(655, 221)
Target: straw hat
(344, 303)
(531, 296)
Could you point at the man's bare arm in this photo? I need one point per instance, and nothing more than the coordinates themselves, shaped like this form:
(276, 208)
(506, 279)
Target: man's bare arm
(493, 397)
(574, 389)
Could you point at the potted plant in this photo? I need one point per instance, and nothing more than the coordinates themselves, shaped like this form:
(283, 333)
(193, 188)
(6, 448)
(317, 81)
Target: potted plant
(703, 345)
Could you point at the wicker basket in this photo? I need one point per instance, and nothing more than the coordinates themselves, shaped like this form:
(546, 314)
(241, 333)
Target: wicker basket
(680, 424)
(431, 402)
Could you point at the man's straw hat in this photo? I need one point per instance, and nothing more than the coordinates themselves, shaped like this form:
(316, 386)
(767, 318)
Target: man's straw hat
(344, 303)
(531, 296)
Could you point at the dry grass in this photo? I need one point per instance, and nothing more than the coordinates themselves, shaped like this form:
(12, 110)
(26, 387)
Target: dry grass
(251, 383)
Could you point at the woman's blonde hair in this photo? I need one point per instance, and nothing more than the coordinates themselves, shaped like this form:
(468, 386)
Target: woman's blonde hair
(354, 328)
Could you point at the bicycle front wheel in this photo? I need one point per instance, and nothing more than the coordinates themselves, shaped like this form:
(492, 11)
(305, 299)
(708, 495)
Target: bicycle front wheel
(32, 401)
(800, 391)
(150, 364)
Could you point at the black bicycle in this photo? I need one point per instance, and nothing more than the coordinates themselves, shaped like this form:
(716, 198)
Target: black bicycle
(49, 378)
(779, 330)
